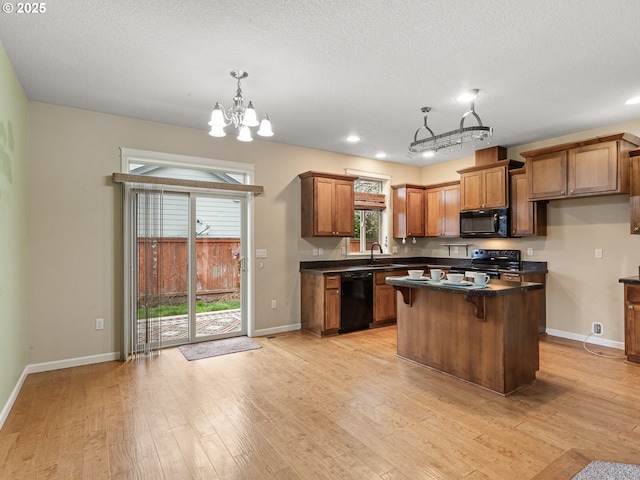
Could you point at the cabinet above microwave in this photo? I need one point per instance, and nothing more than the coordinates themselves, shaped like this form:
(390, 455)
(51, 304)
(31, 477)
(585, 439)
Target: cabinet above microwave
(486, 186)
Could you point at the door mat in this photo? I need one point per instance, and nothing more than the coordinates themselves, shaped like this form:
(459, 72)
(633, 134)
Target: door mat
(215, 348)
(597, 470)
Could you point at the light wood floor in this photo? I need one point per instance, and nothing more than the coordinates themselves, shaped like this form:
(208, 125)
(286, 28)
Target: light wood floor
(303, 407)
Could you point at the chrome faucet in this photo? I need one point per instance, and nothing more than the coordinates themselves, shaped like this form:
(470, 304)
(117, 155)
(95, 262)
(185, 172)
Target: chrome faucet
(373, 245)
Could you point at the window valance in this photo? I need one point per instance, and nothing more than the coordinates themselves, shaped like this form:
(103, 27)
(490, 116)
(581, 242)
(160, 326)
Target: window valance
(369, 201)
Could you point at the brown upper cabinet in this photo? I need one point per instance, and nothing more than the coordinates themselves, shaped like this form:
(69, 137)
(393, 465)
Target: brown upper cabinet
(596, 166)
(442, 210)
(327, 204)
(486, 186)
(527, 218)
(408, 210)
(634, 190)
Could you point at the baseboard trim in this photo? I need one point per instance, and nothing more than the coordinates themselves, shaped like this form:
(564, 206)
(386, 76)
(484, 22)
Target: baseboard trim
(72, 362)
(271, 331)
(592, 339)
(4, 414)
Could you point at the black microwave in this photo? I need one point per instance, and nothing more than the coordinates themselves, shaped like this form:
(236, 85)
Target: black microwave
(488, 223)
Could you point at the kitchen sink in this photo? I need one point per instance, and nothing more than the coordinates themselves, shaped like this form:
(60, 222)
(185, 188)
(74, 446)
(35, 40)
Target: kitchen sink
(388, 265)
(376, 266)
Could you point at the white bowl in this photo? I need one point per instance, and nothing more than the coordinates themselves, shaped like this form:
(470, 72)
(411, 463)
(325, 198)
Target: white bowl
(455, 277)
(416, 273)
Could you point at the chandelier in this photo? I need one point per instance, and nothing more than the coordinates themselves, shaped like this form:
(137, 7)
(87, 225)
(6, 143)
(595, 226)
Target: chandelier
(432, 144)
(240, 116)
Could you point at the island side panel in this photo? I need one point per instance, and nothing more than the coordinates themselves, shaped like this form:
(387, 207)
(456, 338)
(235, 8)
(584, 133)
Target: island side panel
(312, 298)
(522, 356)
(440, 329)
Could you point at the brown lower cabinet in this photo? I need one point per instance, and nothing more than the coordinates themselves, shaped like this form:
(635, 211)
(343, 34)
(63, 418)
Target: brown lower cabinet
(320, 303)
(384, 298)
(632, 322)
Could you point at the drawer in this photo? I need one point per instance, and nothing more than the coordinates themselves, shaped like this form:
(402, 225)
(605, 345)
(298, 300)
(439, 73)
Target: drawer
(331, 282)
(632, 293)
(511, 277)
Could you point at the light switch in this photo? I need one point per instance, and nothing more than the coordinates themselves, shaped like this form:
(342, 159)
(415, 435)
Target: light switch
(598, 253)
(261, 253)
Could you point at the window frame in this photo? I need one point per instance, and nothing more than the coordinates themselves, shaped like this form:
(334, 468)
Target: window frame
(383, 234)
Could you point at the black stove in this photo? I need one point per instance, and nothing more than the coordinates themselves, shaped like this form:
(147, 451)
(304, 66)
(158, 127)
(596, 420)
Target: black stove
(493, 261)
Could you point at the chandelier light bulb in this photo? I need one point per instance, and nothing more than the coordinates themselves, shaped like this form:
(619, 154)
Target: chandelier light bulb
(245, 134)
(217, 132)
(217, 117)
(265, 127)
(250, 118)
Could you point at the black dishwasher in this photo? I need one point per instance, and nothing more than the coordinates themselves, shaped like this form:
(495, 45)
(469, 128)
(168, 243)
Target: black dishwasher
(356, 311)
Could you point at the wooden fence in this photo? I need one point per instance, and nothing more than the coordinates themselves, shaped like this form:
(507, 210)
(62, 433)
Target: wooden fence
(162, 266)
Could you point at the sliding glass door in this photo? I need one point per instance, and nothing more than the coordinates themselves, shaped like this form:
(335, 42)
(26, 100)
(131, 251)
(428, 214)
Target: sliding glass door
(186, 231)
(218, 262)
(189, 282)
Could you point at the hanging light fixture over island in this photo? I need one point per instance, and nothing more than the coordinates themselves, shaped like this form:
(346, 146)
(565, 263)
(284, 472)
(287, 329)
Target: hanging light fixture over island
(430, 145)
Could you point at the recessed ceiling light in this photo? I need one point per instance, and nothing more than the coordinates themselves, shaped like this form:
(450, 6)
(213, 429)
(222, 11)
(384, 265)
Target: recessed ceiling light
(633, 101)
(353, 138)
(381, 155)
(468, 96)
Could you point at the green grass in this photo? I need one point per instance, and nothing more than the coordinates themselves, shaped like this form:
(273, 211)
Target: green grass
(182, 309)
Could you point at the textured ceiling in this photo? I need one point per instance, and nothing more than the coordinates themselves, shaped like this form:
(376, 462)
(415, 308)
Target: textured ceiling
(326, 69)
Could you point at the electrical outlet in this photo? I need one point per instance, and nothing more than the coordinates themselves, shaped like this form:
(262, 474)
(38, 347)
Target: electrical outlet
(315, 252)
(530, 252)
(343, 250)
(597, 329)
(273, 304)
(598, 253)
(395, 249)
(455, 249)
(321, 251)
(99, 323)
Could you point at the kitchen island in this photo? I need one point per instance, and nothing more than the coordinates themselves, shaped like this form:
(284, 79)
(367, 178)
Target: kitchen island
(487, 336)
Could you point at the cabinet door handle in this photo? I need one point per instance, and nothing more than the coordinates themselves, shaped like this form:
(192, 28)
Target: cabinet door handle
(630, 307)
(636, 229)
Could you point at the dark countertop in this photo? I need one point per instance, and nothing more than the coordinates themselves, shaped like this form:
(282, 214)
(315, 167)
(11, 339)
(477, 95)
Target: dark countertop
(363, 268)
(493, 289)
(632, 280)
(339, 266)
